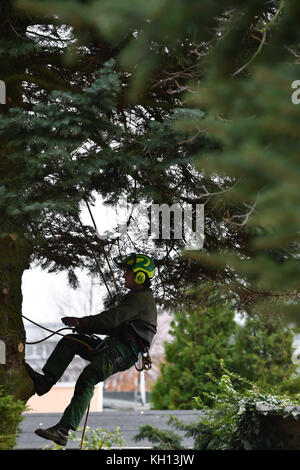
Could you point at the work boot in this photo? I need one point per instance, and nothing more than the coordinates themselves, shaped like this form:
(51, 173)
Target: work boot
(58, 434)
(42, 383)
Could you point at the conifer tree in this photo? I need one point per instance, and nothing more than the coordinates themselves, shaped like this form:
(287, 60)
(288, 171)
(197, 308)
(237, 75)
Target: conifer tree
(202, 336)
(259, 349)
(236, 63)
(264, 348)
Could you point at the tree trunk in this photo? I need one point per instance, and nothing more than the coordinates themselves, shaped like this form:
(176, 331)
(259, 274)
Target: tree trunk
(14, 259)
(15, 250)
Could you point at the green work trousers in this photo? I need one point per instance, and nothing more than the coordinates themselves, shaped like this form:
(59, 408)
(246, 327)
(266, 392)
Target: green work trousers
(117, 355)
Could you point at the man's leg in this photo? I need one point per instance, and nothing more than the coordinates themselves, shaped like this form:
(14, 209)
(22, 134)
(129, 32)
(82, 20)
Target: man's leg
(65, 351)
(59, 360)
(84, 388)
(116, 357)
(73, 414)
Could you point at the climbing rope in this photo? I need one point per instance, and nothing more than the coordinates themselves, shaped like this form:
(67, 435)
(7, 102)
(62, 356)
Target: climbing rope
(108, 290)
(47, 337)
(102, 248)
(100, 271)
(84, 426)
(52, 332)
(146, 360)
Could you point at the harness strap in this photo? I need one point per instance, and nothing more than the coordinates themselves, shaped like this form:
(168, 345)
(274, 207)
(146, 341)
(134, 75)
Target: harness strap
(117, 358)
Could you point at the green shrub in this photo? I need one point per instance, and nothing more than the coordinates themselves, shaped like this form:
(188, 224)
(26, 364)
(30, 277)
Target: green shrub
(162, 439)
(240, 420)
(10, 417)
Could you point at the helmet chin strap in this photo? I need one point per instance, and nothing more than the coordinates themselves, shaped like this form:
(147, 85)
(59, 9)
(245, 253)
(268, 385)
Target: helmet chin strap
(137, 287)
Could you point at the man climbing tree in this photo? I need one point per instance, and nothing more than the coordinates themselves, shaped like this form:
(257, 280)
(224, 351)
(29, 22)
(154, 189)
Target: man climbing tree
(130, 327)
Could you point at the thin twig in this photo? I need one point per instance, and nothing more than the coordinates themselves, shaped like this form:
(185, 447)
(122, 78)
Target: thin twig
(228, 220)
(254, 55)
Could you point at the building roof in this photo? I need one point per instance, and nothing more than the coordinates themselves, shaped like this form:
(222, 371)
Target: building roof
(129, 422)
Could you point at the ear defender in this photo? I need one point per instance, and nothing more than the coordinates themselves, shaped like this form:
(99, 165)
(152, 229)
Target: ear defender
(140, 277)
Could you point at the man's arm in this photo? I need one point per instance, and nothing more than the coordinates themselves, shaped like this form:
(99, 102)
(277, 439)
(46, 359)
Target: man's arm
(108, 320)
(76, 323)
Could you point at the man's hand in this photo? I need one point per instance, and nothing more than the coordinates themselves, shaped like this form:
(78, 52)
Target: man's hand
(72, 321)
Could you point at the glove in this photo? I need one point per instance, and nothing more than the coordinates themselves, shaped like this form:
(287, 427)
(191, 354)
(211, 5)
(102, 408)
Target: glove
(72, 321)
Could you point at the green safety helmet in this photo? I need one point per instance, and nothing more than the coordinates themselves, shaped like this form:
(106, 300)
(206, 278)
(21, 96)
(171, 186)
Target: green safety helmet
(142, 266)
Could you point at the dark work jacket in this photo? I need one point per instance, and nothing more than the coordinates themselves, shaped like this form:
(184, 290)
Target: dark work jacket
(137, 308)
